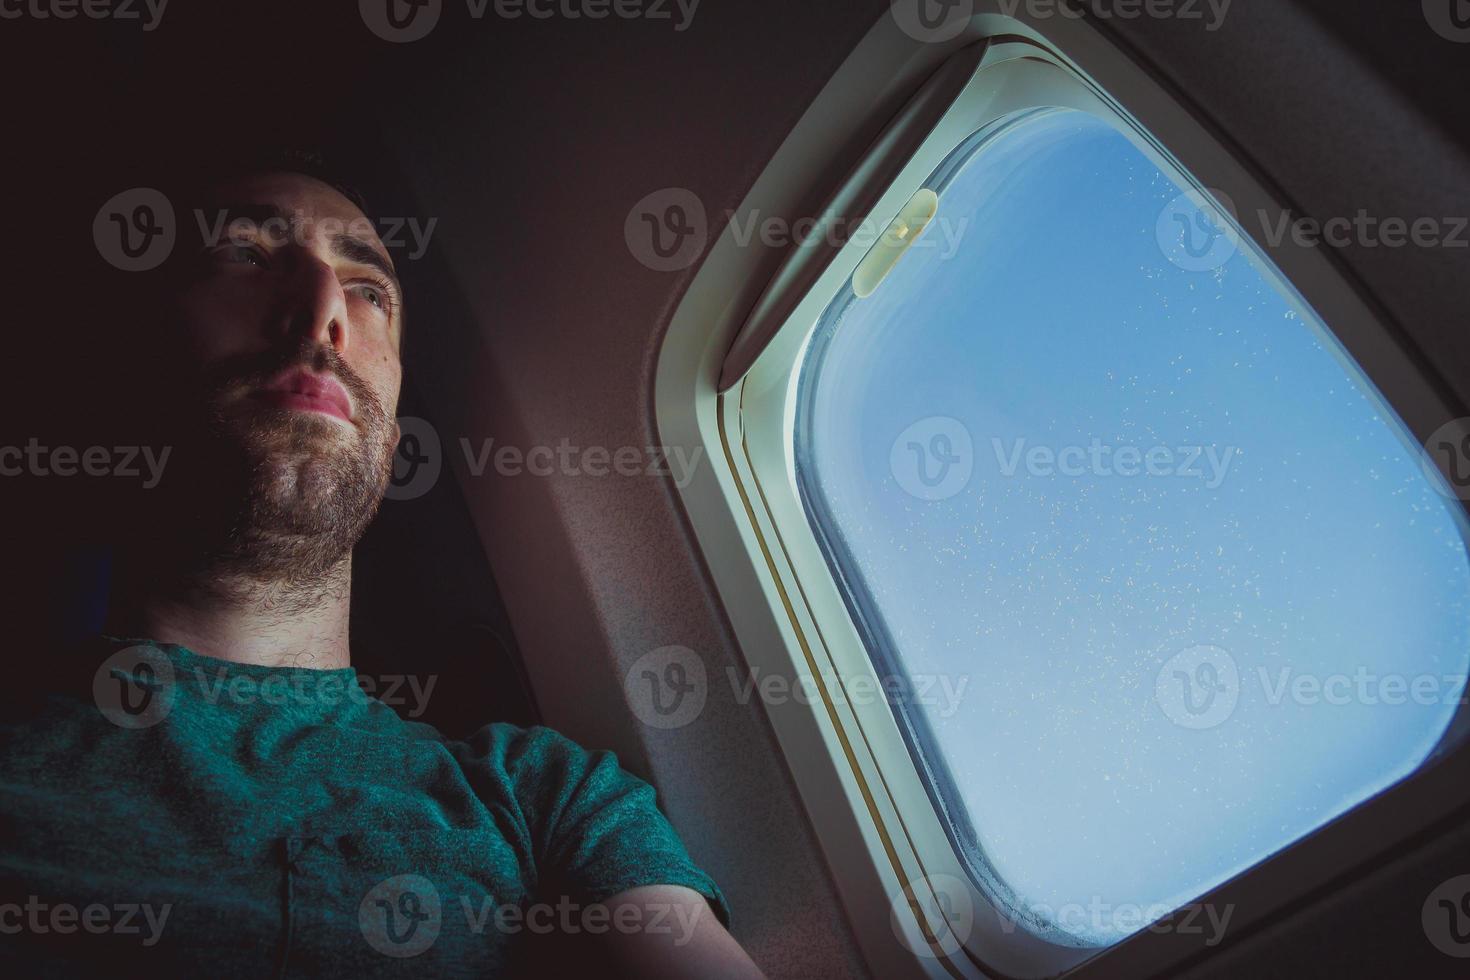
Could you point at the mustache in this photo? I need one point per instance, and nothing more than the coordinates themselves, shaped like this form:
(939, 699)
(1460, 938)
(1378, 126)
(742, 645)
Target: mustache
(255, 369)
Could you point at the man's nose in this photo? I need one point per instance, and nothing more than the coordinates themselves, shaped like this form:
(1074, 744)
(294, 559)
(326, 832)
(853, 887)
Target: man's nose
(316, 307)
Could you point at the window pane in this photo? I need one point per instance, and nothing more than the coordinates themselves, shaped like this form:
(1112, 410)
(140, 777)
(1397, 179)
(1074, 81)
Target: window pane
(1095, 462)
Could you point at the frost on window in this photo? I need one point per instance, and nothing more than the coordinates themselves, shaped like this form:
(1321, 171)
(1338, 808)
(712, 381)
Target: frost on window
(1167, 575)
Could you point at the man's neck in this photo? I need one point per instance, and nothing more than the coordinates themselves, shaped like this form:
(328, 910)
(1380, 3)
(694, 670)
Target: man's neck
(241, 620)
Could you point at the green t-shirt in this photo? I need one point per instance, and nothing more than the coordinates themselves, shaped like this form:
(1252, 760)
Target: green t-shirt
(178, 815)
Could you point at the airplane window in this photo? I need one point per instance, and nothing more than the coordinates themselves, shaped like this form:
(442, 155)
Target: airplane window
(1088, 460)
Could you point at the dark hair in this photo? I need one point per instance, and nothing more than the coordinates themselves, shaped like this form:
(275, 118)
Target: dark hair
(190, 179)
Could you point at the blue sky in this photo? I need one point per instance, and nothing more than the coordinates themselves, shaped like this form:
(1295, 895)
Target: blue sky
(1322, 550)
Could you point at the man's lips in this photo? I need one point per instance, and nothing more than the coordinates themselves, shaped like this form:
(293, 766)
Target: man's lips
(303, 391)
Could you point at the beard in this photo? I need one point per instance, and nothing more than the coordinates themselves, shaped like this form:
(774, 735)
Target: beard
(266, 497)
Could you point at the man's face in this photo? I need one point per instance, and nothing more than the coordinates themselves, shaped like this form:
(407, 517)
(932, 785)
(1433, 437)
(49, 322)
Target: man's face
(291, 320)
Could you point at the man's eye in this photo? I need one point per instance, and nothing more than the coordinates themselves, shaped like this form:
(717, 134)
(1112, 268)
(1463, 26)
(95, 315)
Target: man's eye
(240, 254)
(375, 295)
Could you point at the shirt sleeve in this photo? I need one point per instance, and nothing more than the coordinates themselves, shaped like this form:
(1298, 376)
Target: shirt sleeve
(597, 829)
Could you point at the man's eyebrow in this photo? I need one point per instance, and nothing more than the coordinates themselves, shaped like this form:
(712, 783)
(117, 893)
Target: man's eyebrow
(256, 214)
(359, 250)
(345, 244)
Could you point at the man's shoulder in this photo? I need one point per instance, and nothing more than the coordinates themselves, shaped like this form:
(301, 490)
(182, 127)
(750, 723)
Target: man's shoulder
(541, 767)
(517, 747)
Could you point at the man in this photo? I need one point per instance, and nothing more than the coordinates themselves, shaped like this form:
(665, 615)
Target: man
(211, 793)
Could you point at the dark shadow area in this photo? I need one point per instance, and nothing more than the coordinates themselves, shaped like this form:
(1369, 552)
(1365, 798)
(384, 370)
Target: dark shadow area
(114, 108)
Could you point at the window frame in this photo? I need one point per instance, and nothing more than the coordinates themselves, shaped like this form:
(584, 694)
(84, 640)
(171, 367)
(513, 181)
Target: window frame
(888, 846)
